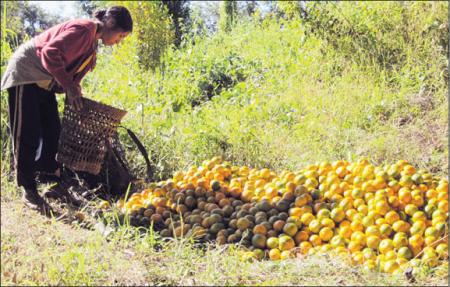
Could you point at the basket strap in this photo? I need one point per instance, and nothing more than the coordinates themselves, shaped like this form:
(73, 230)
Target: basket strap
(143, 151)
(120, 160)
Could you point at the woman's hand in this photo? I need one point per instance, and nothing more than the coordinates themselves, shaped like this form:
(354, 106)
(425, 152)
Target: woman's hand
(73, 97)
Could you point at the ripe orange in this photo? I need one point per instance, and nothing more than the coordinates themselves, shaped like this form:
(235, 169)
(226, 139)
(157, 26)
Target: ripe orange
(275, 254)
(326, 233)
(285, 243)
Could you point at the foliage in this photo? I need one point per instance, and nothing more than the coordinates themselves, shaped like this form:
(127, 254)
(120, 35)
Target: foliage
(180, 14)
(88, 6)
(399, 37)
(289, 9)
(36, 20)
(223, 74)
(251, 7)
(154, 37)
(6, 50)
(205, 16)
(228, 15)
(26, 20)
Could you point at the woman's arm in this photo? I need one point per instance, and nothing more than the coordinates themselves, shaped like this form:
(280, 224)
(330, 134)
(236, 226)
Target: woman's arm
(73, 96)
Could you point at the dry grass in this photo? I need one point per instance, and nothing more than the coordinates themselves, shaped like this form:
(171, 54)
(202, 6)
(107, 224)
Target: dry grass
(37, 250)
(40, 251)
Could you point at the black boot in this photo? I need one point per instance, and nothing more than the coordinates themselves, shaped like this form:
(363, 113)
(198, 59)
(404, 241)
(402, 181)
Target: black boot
(32, 199)
(43, 177)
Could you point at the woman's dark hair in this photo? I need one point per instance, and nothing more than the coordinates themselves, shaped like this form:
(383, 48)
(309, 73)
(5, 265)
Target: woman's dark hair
(120, 16)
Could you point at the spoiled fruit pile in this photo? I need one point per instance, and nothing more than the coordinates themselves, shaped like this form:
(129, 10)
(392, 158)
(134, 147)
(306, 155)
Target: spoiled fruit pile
(385, 217)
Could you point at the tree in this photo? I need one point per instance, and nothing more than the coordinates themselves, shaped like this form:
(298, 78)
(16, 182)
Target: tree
(251, 7)
(180, 13)
(228, 15)
(87, 7)
(36, 20)
(289, 9)
(153, 28)
(25, 21)
(12, 25)
(205, 15)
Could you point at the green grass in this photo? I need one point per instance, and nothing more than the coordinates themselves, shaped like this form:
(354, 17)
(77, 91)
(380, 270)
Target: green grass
(286, 97)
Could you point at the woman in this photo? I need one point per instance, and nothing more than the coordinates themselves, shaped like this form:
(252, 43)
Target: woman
(55, 61)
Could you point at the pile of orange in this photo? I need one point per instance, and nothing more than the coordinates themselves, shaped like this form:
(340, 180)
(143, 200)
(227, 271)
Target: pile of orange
(384, 217)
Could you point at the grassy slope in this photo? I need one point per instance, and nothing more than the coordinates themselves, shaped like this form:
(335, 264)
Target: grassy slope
(294, 107)
(300, 101)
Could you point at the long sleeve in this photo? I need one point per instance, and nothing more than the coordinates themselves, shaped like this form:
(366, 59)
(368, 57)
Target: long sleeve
(53, 53)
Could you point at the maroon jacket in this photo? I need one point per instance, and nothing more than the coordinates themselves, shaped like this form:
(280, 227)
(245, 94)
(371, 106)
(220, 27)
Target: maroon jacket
(63, 48)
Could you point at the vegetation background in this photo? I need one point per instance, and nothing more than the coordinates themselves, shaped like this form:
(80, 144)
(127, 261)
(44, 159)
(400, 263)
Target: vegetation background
(262, 83)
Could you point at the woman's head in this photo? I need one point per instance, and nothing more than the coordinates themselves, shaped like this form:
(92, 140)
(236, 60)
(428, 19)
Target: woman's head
(117, 24)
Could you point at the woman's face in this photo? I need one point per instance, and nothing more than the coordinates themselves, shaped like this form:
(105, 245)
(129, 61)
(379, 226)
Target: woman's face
(110, 37)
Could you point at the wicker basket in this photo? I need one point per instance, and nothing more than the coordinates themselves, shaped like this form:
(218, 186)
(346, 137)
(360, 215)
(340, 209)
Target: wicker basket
(84, 135)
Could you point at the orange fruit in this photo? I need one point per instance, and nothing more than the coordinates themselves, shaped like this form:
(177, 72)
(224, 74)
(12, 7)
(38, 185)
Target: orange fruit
(259, 241)
(307, 218)
(401, 226)
(272, 242)
(315, 240)
(305, 246)
(260, 229)
(385, 246)
(243, 223)
(326, 234)
(327, 222)
(290, 229)
(391, 217)
(373, 241)
(337, 214)
(300, 237)
(314, 226)
(278, 225)
(275, 254)
(285, 243)
(345, 232)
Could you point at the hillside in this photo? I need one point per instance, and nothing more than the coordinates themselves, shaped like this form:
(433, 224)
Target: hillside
(353, 81)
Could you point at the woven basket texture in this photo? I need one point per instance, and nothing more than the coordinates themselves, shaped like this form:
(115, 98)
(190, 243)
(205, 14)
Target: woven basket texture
(85, 135)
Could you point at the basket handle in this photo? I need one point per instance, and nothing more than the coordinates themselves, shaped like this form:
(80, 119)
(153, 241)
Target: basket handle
(143, 151)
